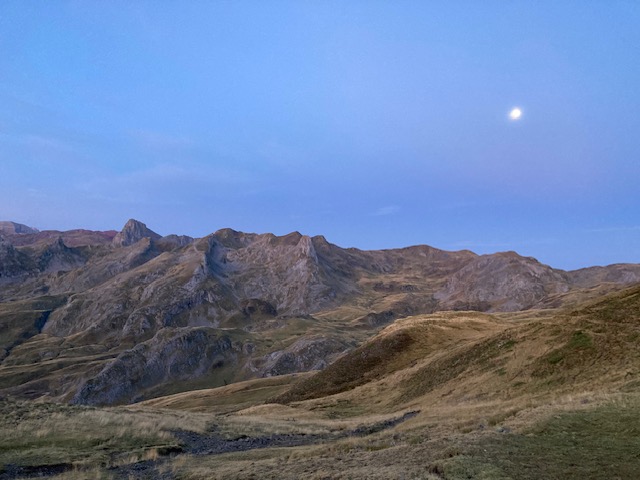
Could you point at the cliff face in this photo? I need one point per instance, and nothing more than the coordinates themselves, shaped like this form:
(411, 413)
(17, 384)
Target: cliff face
(130, 315)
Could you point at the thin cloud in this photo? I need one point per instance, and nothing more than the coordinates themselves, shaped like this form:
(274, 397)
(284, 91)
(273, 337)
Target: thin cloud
(632, 228)
(384, 211)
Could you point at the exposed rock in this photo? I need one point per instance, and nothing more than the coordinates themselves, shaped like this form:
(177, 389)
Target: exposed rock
(129, 313)
(306, 354)
(284, 271)
(501, 282)
(71, 238)
(620, 273)
(172, 354)
(133, 232)
(14, 263)
(58, 257)
(255, 306)
(10, 228)
(169, 242)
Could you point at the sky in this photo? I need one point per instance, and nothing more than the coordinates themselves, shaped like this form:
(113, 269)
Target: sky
(378, 124)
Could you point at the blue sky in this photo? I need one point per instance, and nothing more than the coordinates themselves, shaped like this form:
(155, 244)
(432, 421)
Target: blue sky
(376, 124)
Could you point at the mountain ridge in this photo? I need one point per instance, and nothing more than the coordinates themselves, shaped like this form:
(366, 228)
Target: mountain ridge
(133, 315)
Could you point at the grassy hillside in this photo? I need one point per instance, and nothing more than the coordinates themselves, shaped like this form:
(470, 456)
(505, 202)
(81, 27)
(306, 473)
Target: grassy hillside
(452, 395)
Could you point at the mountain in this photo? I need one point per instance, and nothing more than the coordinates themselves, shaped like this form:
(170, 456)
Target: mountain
(11, 228)
(133, 232)
(118, 317)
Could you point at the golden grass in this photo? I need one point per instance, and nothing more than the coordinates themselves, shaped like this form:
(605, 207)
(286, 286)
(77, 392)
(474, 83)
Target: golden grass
(397, 347)
(230, 398)
(44, 433)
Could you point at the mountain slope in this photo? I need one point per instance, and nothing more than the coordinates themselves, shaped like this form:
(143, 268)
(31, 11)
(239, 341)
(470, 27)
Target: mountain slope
(136, 311)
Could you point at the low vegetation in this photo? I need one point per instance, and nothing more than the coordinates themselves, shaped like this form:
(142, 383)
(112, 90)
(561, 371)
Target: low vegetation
(595, 443)
(37, 436)
(453, 396)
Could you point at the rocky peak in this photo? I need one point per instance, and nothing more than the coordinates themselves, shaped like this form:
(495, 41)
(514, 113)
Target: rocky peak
(132, 232)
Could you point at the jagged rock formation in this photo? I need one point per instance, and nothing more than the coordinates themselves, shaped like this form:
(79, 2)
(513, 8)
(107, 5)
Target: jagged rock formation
(129, 315)
(133, 232)
(306, 354)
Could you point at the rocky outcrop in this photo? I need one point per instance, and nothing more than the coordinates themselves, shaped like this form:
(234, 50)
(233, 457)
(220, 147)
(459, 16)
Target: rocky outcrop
(133, 232)
(171, 355)
(255, 307)
(306, 354)
(14, 263)
(171, 242)
(284, 271)
(71, 238)
(57, 257)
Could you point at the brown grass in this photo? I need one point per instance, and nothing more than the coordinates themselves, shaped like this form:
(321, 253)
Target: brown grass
(399, 346)
(230, 398)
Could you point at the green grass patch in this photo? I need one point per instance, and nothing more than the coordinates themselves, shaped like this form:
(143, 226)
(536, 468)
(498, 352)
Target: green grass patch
(555, 357)
(580, 340)
(601, 443)
(572, 354)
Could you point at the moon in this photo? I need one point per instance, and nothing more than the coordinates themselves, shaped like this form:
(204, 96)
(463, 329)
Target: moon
(515, 113)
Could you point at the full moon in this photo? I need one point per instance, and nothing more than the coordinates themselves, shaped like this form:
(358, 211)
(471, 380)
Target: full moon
(515, 114)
